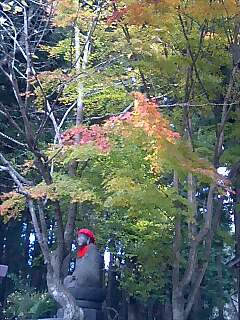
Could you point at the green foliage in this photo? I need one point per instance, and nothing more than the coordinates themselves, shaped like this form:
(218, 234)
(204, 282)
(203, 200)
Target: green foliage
(78, 190)
(27, 304)
(108, 100)
(62, 49)
(65, 188)
(99, 100)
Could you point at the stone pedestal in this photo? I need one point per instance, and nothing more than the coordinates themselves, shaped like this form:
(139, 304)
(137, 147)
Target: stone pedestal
(93, 314)
(92, 310)
(89, 314)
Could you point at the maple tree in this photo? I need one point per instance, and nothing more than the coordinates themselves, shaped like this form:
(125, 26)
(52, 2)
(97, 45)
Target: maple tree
(138, 172)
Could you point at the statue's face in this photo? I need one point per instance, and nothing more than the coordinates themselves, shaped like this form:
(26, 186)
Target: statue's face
(83, 240)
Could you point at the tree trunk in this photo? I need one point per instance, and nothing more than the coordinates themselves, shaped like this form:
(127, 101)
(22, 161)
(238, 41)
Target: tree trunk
(63, 298)
(237, 246)
(113, 292)
(178, 304)
(237, 241)
(235, 179)
(167, 312)
(220, 280)
(198, 307)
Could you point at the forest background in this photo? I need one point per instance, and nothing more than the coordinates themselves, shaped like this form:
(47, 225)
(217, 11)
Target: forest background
(123, 117)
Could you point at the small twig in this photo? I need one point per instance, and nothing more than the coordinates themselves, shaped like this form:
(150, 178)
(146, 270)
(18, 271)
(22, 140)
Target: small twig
(55, 154)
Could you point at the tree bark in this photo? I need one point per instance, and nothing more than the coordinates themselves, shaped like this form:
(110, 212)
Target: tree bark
(178, 304)
(63, 297)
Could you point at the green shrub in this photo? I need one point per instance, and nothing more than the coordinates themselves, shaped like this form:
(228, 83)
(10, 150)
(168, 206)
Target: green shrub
(25, 304)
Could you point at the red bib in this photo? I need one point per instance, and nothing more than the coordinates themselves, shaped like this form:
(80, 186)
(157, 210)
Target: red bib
(82, 251)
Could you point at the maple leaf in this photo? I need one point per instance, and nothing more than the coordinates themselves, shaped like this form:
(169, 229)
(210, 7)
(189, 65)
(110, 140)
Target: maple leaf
(116, 15)
(84, 135)
(147, 116)
(13, 204)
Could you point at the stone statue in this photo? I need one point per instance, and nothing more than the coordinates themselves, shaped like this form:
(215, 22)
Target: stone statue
(85, 284)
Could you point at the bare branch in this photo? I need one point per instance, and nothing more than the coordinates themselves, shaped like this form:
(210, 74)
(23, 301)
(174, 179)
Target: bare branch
(40, 238)
(176, 243)
(13, 140)
(194, 58)
(10, 118)
(17, 177)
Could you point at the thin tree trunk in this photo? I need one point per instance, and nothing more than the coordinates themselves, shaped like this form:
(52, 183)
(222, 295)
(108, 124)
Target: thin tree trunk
(63, 297)
(178, 304)
(167, 312)
(220, 280)
(235, 178)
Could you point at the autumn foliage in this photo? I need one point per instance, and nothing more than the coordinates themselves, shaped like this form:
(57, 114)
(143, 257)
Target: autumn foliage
(145, 115)
(143, 125)
(142, 12)
(13, 203)
(159, 139)
(83, 135)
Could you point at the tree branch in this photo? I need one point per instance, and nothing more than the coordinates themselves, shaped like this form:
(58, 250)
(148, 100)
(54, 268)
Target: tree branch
(10, 118)
(13, 140)
(41, 239)
(17, 177)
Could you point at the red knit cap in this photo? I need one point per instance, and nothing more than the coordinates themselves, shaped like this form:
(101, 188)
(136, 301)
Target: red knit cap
(88, 233)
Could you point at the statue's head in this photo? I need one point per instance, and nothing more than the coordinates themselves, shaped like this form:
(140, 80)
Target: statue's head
(85, 237)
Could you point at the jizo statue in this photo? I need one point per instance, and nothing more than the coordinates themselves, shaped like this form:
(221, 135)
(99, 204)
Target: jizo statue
(85, 284)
